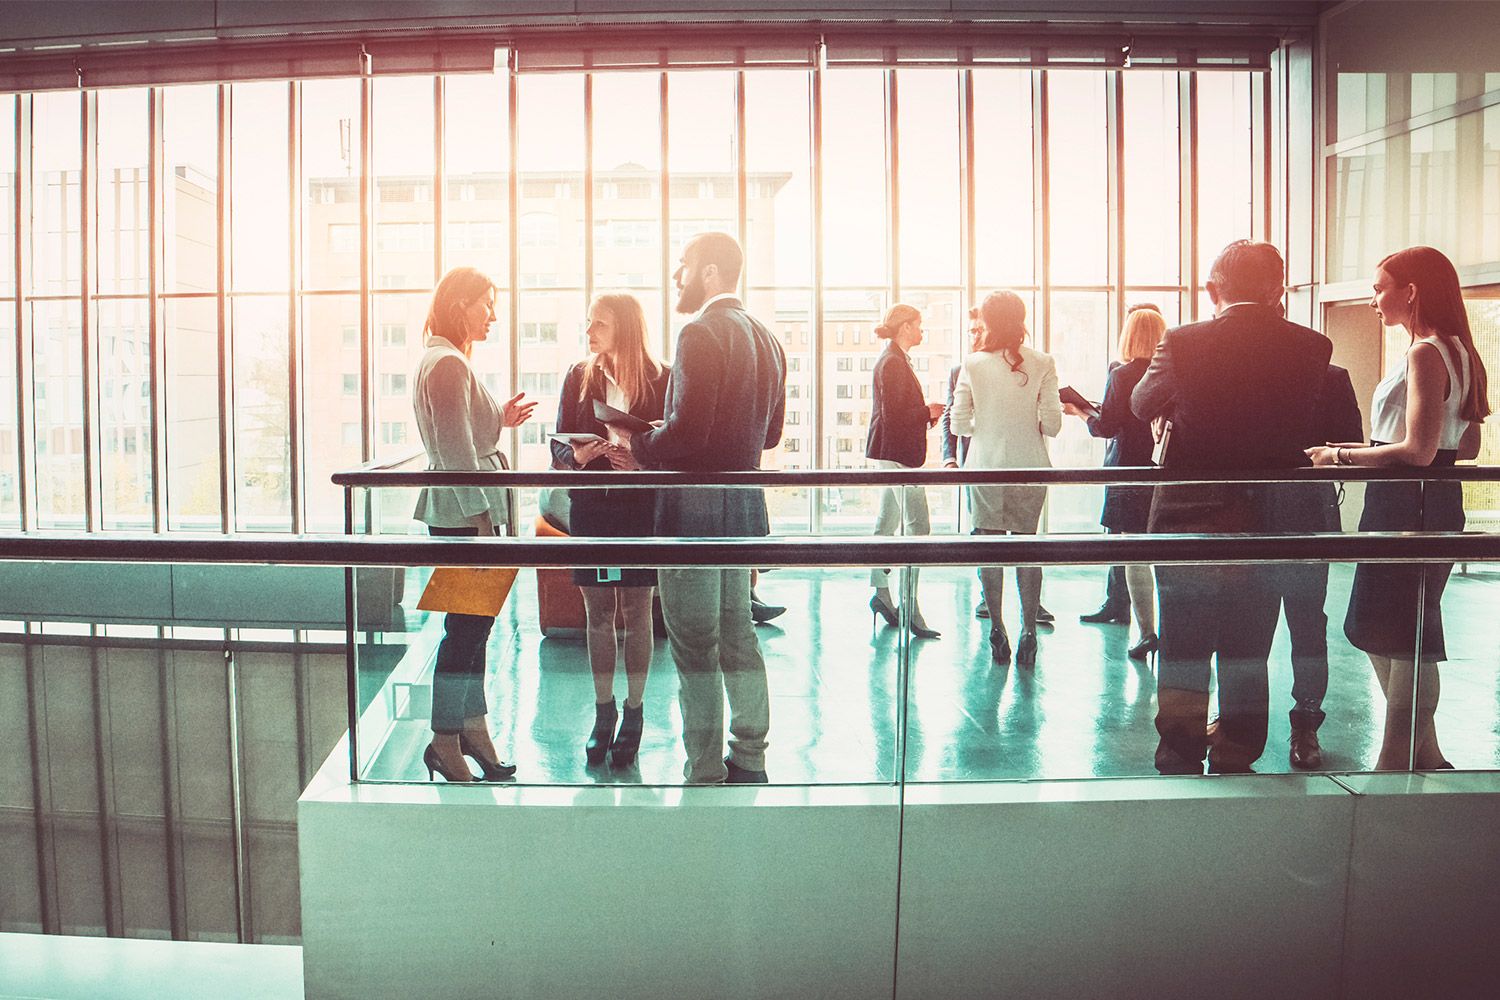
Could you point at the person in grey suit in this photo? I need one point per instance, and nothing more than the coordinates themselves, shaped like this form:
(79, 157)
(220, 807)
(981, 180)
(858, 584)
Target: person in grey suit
(726, 399)
(1241, 391)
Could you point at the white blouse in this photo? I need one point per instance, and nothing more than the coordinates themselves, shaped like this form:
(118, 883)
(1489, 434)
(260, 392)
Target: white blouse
(460, 424)
(1388, 406)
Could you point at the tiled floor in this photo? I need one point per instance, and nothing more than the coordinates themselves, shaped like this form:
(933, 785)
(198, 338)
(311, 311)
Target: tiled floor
(1085, 711)
(57, 967)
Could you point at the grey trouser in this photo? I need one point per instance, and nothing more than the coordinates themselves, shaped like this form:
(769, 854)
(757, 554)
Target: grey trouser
(707, 612)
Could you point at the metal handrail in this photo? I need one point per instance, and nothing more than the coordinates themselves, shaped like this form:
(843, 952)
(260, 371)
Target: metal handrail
(1113, 476)
(927, 550)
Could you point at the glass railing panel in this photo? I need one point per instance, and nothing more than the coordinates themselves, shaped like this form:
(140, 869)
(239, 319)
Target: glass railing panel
(830, 661)
(1467, 682)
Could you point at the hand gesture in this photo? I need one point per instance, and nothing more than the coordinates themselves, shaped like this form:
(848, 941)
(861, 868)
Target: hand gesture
(934, 413)
(586, 451)
(516, 410)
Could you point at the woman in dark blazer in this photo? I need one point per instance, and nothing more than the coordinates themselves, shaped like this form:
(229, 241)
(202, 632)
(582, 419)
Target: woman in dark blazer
(621, 373)
(1126, 508)
(898, 440)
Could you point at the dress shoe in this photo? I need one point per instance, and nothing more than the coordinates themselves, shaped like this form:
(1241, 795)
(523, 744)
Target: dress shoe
(999, 646)
(760, 613)
(628, 740)
(1148, 645)
(494, 770)
(1043, 616)
(920, 629)
(883, 610)
(603, 732)
(981, 610)
(1026, 649)
(1107, 615)
(434, 764)
(742, 775)
(1305, 754)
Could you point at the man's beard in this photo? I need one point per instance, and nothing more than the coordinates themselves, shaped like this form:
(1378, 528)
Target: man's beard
(693, 295)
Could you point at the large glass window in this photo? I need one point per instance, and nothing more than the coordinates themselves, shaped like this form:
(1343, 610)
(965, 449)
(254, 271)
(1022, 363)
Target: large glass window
(1226, 168)
(10, 485)
(56, 202)
(190, 243)
(1004, 199)
(665, 156)
(404, 171)
(1078, 163)
(121, 189)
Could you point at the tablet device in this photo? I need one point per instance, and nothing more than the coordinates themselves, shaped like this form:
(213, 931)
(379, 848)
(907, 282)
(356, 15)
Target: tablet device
(606, 414)
(1068, 394)
(572, 438)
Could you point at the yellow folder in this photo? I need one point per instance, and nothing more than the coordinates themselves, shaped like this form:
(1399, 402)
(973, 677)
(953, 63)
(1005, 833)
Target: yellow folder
(468, 590)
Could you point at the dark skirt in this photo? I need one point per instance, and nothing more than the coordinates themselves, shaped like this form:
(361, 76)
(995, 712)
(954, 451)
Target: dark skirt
(1126, 508)
(614, 513)
(1382, 616)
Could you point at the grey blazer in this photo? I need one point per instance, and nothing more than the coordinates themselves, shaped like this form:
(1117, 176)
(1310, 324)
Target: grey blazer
(460, 424)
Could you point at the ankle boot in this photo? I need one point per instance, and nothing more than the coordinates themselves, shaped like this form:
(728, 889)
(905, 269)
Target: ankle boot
(628, 740)
(604, 729)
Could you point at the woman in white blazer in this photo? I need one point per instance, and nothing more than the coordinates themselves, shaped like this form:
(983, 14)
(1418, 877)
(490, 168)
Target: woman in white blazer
(1006, 400)
(460, 423)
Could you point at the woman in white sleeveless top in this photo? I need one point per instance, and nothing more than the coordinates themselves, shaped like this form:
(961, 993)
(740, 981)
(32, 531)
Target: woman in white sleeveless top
(1426, 412)
(1006, 398)
(460, 423)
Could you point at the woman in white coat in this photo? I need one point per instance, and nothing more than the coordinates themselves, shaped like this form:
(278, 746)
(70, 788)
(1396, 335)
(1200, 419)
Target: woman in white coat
(1006, 400)
(460, 423)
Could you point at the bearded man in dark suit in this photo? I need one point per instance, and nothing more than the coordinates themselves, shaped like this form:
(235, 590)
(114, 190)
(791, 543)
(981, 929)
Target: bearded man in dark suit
(726, 400)
(1241, 391)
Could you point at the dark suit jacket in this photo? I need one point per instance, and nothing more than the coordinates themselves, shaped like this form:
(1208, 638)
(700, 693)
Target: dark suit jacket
(1315, 506)
(1242, 391)
(955, 448)
(577, 416)
(726, 400)
(1130, 441)
(1126, 508)
(898, 425)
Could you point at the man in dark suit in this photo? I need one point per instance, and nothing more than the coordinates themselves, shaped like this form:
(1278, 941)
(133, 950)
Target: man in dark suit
(1312, 507)
(726, 399)
(1241, 391)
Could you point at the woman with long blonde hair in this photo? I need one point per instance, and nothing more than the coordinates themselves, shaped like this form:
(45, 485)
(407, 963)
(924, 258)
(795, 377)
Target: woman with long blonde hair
(460, 423)
(898, 440)
(1126, 508)
(621, 372)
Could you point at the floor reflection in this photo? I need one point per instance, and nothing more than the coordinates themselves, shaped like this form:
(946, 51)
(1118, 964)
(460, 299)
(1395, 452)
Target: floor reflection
(1087, 710)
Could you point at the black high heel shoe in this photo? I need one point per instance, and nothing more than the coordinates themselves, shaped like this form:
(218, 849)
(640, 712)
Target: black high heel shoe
(494, 770)
(628, 740)
(923, 632)
(1144, 648)
(434, 763)
(999, 646)
(605, 716)
(1026, 649)
(884, 610)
